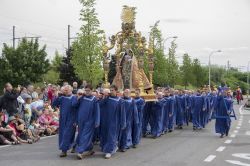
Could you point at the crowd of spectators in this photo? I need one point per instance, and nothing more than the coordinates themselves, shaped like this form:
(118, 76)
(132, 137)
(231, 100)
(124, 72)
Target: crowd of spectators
(26, 114)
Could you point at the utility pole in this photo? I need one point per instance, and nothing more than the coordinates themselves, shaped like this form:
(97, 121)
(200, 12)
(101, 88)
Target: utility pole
(14, 36)
(69, 37)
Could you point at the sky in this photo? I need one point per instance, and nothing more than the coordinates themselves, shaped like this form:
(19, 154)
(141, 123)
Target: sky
(202, 26)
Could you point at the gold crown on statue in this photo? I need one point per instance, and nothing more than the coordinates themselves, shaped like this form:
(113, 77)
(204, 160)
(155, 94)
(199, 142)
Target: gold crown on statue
(128, 14)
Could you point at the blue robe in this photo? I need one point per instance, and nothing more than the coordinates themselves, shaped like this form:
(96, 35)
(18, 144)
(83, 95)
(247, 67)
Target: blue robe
(157, 118)
(88, 118)
(198, 107)
(126, 140)
(168, 109)
(223, 110)
(180, 107)
(203, 113)
(172, 119)
(147, 118)
(67, 123)
(187, 108)
(113, 119)
(137, 128)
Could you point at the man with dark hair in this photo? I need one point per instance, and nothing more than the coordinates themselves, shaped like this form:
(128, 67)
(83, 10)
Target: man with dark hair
(113, 119)
(10, 99)
(126, 137)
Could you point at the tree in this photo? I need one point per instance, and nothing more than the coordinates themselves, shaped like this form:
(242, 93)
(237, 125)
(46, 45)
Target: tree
(112, 70)
(52, 76)
(186, 70)
(87, 55)
(160, 62)
(67, 72)
(199, 73)
(25, 64)
(173, 67)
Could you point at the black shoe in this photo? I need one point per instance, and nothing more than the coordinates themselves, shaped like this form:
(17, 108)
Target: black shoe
(123, 150)
(134, 146)
(222, 135)
(194, 128)
(170, 131)
(63, 154)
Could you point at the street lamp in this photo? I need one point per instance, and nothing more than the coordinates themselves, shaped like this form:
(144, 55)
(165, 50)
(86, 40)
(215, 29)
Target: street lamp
(209, 68)
(171, 37)
(248, 87)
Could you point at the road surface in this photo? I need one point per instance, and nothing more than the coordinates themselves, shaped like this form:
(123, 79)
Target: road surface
(180, 148)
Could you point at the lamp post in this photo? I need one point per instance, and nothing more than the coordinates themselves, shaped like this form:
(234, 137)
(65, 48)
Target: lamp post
(248, 87)
(209, 68)
(171, 37)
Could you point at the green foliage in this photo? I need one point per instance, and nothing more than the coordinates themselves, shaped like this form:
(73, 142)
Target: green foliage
(66, 69)
(160, 62)
(200, 74)
(52, 76)
(112, 71)
(87, 55)
(186, 70)
(173, 73)
(25, 64)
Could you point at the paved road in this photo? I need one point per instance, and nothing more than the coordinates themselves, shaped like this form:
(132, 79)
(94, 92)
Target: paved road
(180, 148)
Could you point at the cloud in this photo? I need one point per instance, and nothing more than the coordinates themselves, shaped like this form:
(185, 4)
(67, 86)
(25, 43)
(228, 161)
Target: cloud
(242, 48)
(176, 20)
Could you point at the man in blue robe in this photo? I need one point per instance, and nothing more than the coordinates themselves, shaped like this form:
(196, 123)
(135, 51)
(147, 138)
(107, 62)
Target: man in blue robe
(157, 116)
(137, 128)
(180, 107)
(172, 118)
(113, 119)
(203, 113)
(88, 119)
(168, 109)
(198, 107)
(126, 141)
(147, 118)
(67, 125)
(223, 109)
(187, 107)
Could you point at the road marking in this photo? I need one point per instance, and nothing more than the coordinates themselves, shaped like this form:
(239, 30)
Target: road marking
(237, 162)
(238, 127)
(228, 141)
(47, 137)
(239, 124)
(4, 146)
(232, 135)
(247, 132)
(236, 131)
(210, 158)
(242, 155)
(220, 149)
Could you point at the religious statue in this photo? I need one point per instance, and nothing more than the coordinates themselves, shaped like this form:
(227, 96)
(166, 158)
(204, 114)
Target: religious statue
(131, 52)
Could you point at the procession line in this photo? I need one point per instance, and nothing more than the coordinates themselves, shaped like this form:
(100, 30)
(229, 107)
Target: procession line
(221, 148)
(210, 158)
